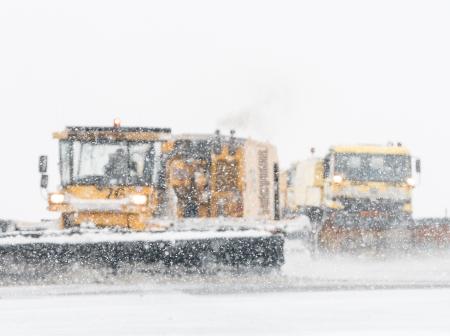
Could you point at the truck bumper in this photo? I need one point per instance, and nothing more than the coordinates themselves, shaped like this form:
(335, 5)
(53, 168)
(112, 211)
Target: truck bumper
(343, 231)
(105, 219)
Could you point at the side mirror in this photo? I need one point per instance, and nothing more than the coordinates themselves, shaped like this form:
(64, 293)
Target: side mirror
(44, 181)
(326, 168)
(43, 162)
(232, 147)
(418, 166)
(217, 143)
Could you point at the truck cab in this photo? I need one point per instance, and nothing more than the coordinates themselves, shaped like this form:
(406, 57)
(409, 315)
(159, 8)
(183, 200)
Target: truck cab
(109, 175)
(368, 183)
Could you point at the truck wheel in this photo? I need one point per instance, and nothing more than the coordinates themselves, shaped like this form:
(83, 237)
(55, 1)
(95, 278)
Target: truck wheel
(7, 225)
(68, 220)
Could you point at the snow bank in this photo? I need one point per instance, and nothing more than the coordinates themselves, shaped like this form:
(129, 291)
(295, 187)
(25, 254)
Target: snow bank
(97, 236)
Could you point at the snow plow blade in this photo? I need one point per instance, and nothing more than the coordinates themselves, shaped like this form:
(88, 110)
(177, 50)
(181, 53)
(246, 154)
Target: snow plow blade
(431, 233)
(54, 251)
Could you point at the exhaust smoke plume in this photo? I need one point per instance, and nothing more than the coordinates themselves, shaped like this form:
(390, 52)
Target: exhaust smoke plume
(261, 119)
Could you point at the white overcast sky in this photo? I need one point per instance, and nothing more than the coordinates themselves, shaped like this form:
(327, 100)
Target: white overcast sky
(296, 73)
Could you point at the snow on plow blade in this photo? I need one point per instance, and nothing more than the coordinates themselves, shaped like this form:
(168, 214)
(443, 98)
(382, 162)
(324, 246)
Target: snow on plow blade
(53, 251)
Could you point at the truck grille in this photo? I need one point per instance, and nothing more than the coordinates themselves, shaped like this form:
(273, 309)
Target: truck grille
(371, 206)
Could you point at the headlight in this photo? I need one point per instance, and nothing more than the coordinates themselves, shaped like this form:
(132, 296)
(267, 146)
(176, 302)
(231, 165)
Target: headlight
(138, 199)
(410, 181)
(57, 198)
(407, 207)
(337, 179)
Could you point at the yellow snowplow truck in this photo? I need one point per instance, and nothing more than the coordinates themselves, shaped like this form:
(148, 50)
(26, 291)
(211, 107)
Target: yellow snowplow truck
(356, 196)
(143, 195)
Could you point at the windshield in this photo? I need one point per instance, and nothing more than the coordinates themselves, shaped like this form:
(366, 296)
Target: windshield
(109, 163)
(373, 167)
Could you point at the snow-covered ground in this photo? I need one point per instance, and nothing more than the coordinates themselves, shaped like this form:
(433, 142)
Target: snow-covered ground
(338, 296)
(379, 312)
